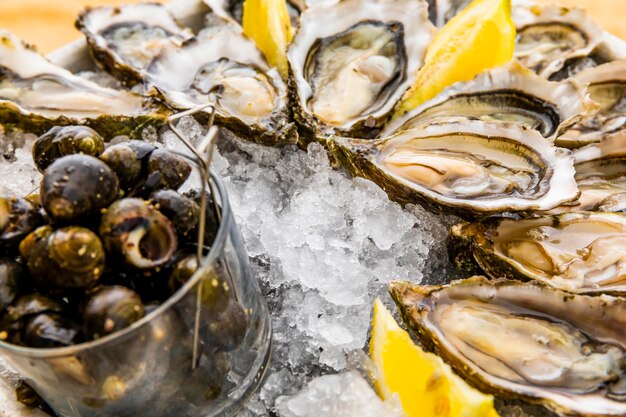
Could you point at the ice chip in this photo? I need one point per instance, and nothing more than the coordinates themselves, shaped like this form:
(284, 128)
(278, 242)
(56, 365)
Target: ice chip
(343, 395)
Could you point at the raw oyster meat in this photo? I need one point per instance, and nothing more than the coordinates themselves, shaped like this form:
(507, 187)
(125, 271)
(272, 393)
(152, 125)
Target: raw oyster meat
(601, 175)
(511, 93)
(352, 61)
(224, 67)
(547, 36)
(565, 352)
(36, 95)
(607, 86)
(575, 252)
(464, 167)
(610, 49)
(124, 39)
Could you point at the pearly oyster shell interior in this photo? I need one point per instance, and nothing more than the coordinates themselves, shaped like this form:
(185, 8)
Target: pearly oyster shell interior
(224, 67)
(547, 36)
(351, 61)
(576, 252)
(565, 352)
(606, 85)
(465, 167)
(509, 94)
(36, 95)
(124, 39)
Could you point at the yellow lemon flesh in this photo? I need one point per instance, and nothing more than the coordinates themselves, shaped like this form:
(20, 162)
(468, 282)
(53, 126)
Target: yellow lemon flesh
(479, 38)
(267, 23)
(426, 386)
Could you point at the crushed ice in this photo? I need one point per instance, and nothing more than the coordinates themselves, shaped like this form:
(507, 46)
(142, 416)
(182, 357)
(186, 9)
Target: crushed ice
(19, 175)
(346, 394)
(323, 246)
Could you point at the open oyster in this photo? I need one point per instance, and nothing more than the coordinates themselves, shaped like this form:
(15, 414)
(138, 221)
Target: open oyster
(507, 94)
(441, 11)
(233, 9)
(36, 95)
(124, 39)
(548, 36)
(601, 175)
(224, 67)
(606, 85)
(527, 341)
(575, 252)
(351, 62)
(466, 167)
(610, 49)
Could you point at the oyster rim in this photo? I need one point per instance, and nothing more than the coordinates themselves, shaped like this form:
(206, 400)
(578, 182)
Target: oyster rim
(91, 21)
(612, 146)
(357, 11)
(475, 238)
(512, 76)
(414, 302)
(562, 187)
(144, 110)
(274, 129)
(610, 71)
(529, 14)
(603, 73)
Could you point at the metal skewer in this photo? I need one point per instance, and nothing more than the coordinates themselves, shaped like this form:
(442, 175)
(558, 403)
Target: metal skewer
(203, 154)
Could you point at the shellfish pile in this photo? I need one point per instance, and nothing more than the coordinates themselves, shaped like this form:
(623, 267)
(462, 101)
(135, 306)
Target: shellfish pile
(537, 144)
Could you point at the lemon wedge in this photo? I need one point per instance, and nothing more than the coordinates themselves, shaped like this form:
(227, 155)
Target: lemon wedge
(479, 38)
(427, 387)
(267, 23)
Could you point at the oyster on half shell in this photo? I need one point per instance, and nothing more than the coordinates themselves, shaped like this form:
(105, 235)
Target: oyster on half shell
(224, 67)
(601, 176)
(610, 49)
(525, 341)
(607, 86)
(353, 60)
(124, 39)
(465, 167)
(511, 94)
(575, 252)
(233, 9)
(36, 95)
(441, 11)
(548, 36)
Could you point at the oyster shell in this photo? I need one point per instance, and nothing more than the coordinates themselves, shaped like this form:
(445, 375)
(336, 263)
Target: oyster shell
(441, 11)
(547, 36)
(575, 252)
(224, 67)
(565, 352)
(352, 61)
(610, 49)
(601, 175)
(124, 39)
(465, 167)
(36, 95)
(606, 85)
(507, 94)
(233, 9)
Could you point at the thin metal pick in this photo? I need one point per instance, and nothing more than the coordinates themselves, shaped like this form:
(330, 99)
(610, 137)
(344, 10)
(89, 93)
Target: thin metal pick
(203, 156)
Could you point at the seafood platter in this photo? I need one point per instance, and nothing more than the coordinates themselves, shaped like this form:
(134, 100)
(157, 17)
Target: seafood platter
(125, 286)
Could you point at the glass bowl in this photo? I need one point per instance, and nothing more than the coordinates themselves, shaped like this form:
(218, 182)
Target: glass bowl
(188, 357)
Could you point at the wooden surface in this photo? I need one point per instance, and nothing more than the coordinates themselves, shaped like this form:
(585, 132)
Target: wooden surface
(611, 14)
(49, 24)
